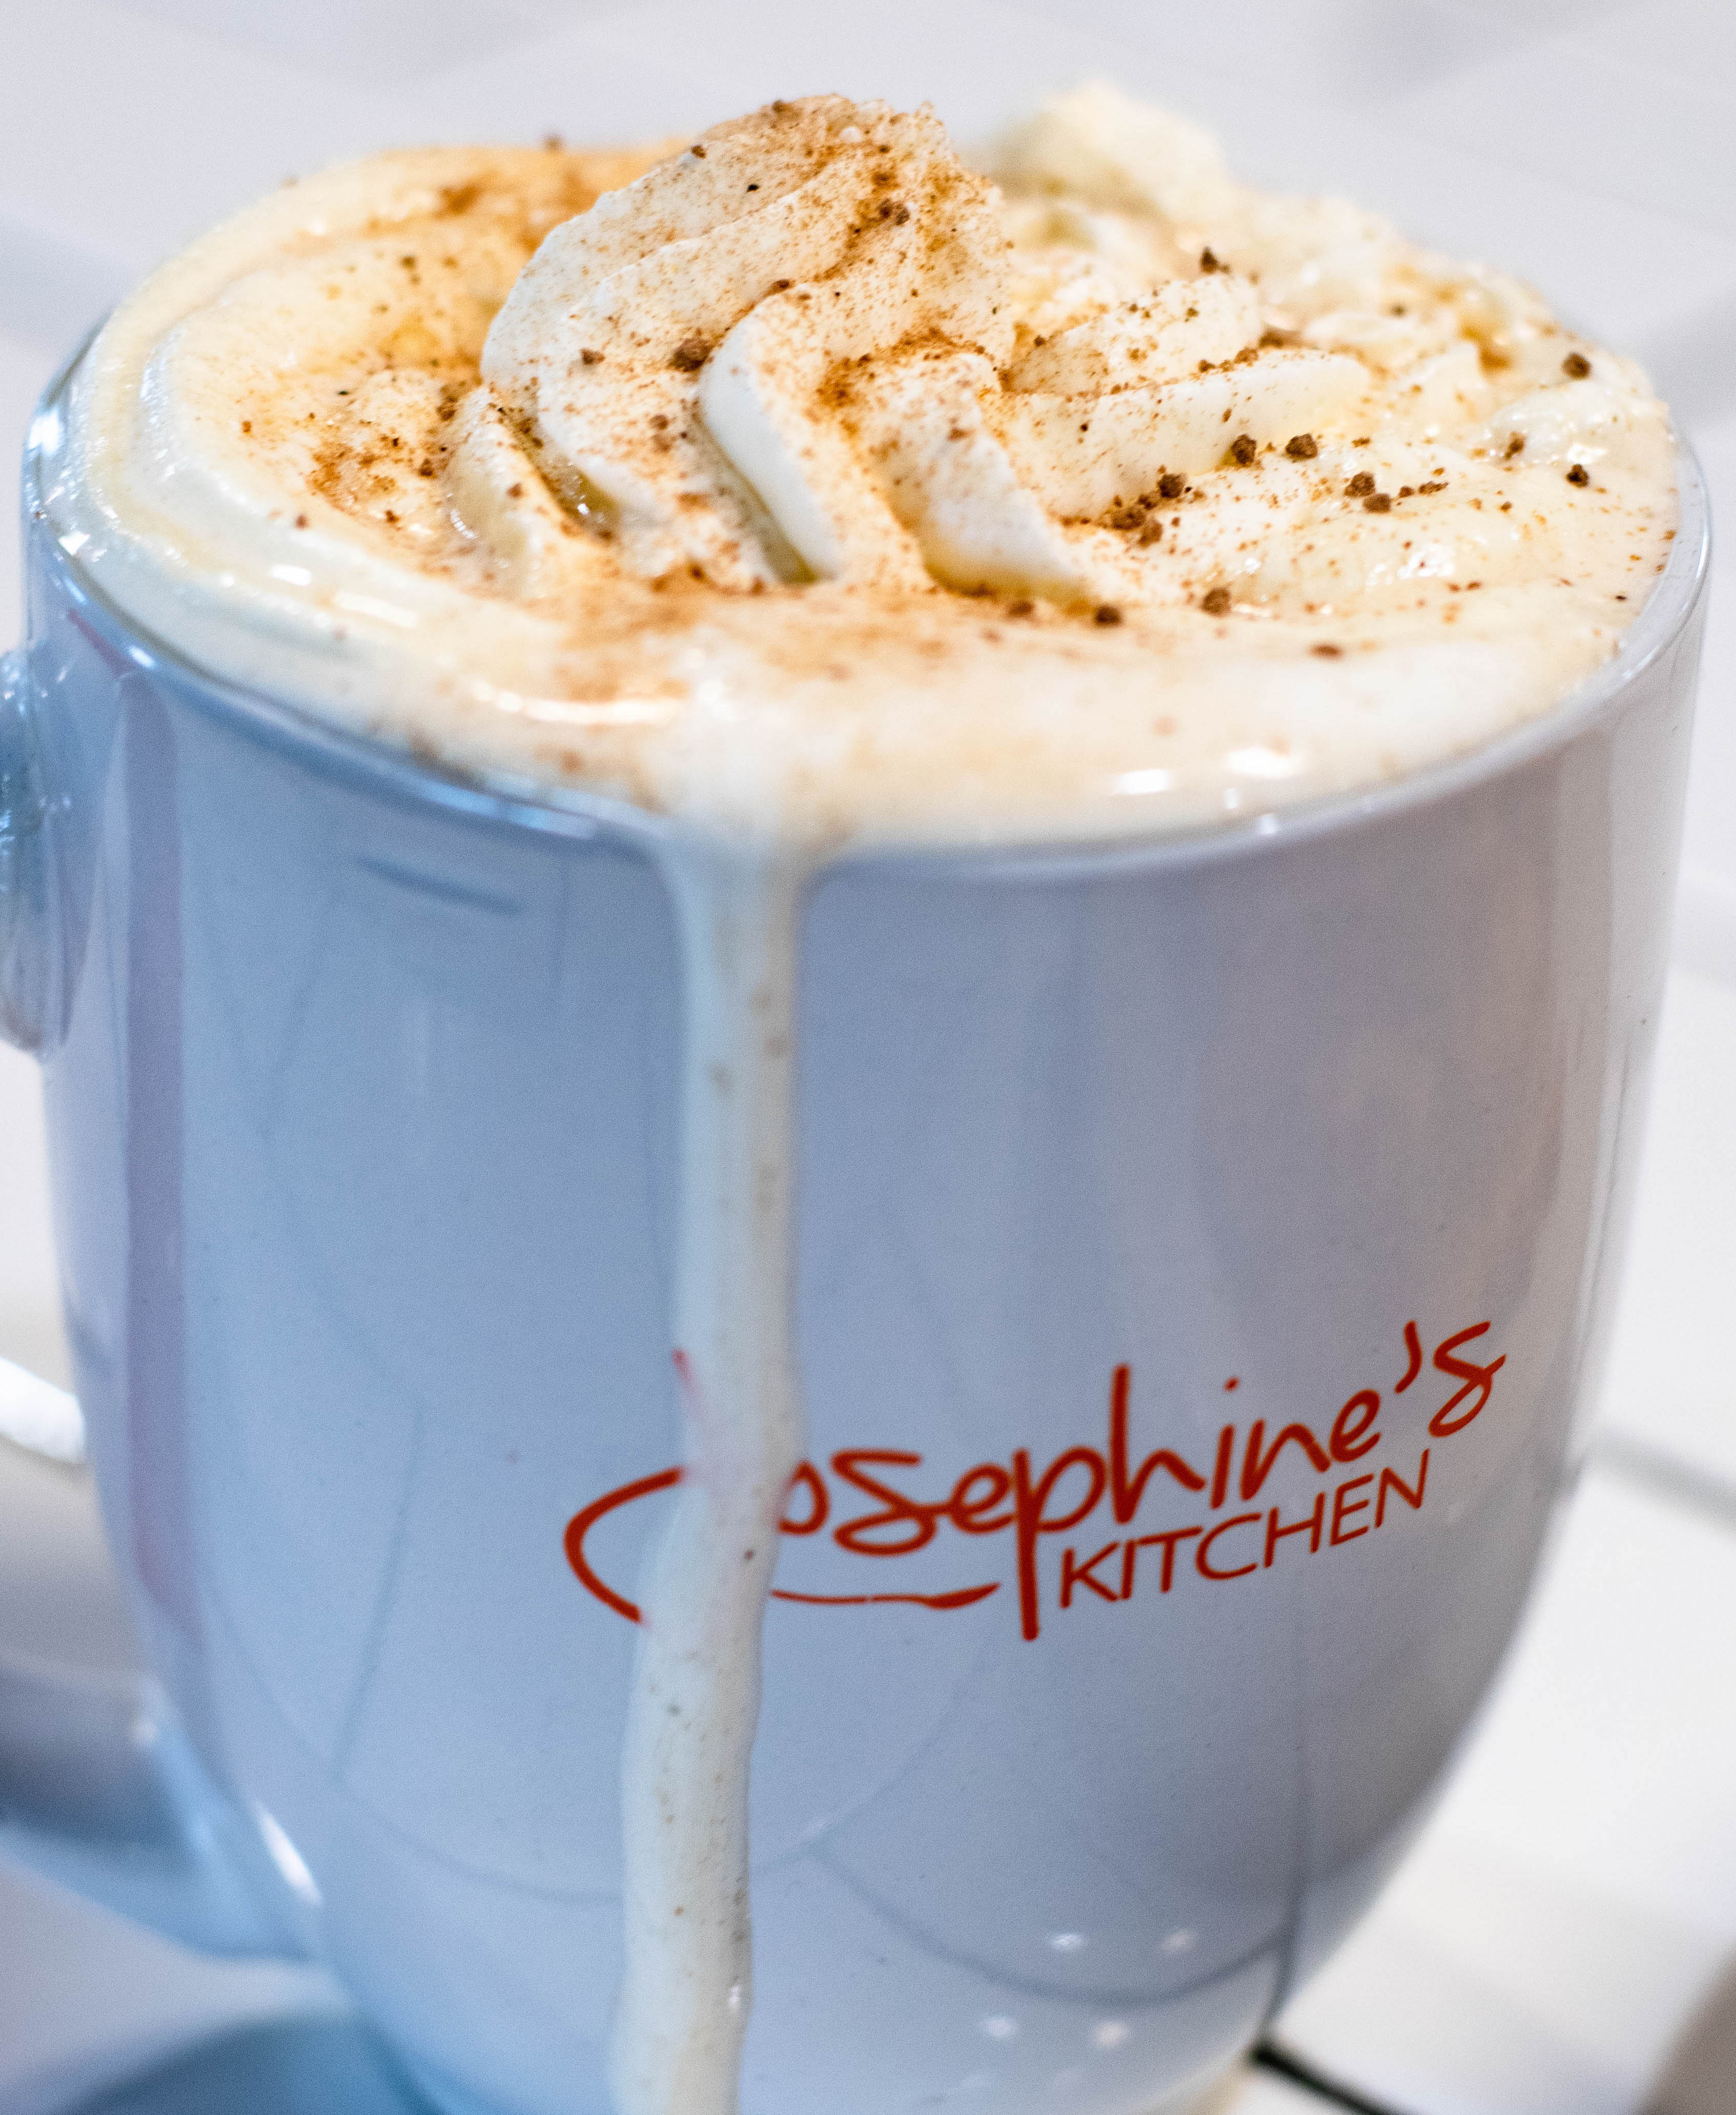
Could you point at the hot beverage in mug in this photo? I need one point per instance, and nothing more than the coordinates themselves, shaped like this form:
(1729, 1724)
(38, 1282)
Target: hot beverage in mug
(846, 974)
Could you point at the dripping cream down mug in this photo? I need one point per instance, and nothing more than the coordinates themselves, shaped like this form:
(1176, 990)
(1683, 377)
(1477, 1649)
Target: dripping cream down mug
(1204, 1247)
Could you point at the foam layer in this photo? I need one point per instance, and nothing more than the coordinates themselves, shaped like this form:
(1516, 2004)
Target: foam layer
(809, 483)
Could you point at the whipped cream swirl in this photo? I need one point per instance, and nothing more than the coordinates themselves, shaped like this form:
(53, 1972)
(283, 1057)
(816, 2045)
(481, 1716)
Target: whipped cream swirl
(812, 315)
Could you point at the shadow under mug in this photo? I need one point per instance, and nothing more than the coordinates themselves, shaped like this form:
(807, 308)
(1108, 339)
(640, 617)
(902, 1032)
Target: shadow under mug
(1204, 1248)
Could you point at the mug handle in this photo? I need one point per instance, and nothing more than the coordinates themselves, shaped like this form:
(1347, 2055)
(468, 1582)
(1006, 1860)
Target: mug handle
(100, 1791)
(28, 952)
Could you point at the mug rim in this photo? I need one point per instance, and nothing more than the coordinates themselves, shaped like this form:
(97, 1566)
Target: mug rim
(505, 799)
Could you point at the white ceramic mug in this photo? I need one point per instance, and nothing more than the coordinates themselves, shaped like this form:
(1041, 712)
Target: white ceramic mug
(1204, 1248)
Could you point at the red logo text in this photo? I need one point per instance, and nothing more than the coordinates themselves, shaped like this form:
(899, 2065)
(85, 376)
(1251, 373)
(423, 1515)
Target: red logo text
(1086, 1490)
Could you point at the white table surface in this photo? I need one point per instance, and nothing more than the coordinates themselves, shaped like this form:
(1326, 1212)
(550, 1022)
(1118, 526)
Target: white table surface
(1562, 1940)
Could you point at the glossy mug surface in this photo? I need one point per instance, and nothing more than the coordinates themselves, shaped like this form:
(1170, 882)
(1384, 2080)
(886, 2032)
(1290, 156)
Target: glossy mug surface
(1204, 1246)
